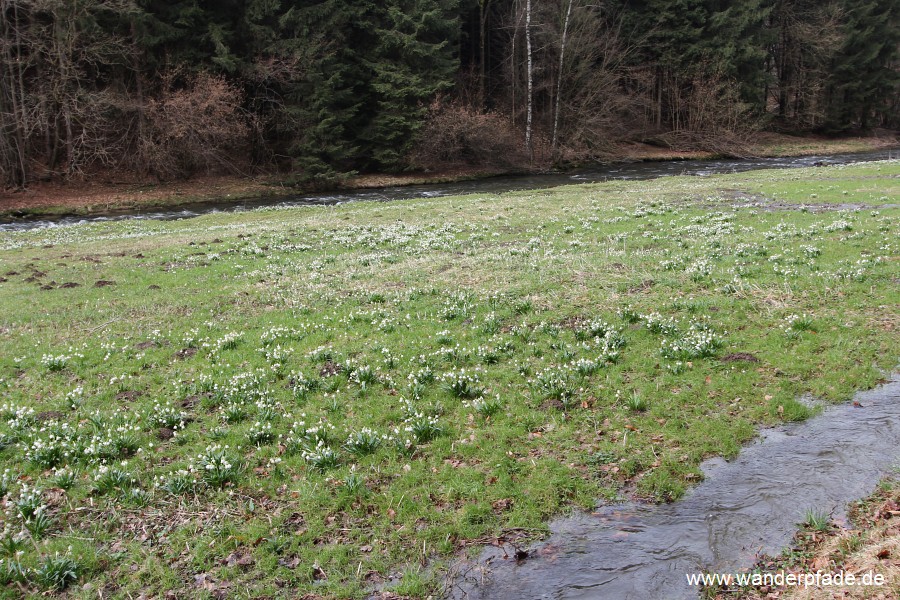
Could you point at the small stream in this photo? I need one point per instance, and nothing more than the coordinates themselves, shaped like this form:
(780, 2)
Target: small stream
(594, 174)
(748, 506)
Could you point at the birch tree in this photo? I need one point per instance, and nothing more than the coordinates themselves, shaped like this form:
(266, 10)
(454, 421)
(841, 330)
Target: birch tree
(559, 76)
(530, 85)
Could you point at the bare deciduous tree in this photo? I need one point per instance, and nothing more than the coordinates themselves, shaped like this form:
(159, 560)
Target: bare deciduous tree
(196, 127)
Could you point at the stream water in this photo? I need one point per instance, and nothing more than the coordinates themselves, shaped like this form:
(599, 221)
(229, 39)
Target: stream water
(748, 506)
(619, 171)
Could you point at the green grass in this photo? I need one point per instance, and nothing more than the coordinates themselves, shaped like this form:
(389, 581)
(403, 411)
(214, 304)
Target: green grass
(319, 400)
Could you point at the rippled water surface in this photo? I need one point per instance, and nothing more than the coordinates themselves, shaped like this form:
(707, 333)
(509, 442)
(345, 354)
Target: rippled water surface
(743, 507)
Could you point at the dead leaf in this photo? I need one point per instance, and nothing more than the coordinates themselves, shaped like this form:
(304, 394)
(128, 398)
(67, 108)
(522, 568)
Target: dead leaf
(290, 563)
(239, 558)
(55, 496)
(205, 582)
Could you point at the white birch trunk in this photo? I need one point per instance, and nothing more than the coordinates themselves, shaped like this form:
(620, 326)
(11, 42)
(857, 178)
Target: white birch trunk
(530, 99)
(559, 76)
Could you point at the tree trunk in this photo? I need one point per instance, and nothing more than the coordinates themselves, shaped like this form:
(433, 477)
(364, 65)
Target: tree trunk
(14, 110)
(659, 97)
(482, 66)
(530, 99)
(559, 77)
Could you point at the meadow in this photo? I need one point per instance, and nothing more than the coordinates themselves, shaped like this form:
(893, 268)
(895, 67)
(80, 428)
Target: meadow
(332, 401)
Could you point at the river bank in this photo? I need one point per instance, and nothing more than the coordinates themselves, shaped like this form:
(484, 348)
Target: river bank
(104, 195)
(866, 544)
(802, 473)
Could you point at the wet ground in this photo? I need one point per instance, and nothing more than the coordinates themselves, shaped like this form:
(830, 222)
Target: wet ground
(743, 508)
(599, 173)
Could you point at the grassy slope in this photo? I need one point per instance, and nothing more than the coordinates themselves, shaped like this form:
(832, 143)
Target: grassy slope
(218, 319)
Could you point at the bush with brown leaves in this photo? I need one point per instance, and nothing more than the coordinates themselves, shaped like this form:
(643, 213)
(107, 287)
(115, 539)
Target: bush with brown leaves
(199, 127)
(458, 135)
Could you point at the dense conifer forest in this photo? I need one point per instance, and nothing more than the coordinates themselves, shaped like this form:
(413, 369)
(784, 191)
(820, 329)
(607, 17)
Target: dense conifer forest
(321, 88)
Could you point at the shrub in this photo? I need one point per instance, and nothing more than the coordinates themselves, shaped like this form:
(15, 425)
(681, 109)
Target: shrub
(455, 134)
(195, 125)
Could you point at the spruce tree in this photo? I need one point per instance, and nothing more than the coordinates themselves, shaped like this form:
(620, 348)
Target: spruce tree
(865, 81)
(736, 40)
(414, 58)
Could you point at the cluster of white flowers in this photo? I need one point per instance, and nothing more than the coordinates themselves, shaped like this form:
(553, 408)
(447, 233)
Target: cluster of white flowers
(695, 343)
(17, 417)
(657, 323)
(795, 322)
(699, 269)
(462, 383)
(485, 406)
(56, 362)
(113, 441)
(229, 341)
(244, 387)
(75, 397)
(276, 355)
(839, 225)
(320, 456)
(51, 446)
(555, 383)
(260, 433)
(303, 435)
(418, 427)
(276, 333)
(215, 465)
(166, 415)
(364, 441)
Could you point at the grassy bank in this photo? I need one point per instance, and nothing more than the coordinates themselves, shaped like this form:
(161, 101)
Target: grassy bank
(326, 400)
(867, 546)
(99, 195)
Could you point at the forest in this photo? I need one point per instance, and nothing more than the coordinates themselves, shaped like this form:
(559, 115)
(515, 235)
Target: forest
(317, 89)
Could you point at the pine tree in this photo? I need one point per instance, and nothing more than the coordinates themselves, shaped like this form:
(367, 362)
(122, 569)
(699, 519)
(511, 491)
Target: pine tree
(865, 81)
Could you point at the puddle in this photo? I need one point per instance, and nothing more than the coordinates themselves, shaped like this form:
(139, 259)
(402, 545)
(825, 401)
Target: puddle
(743, 508)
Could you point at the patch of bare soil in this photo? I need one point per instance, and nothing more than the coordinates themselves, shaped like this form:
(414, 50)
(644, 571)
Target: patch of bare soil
(105, 195)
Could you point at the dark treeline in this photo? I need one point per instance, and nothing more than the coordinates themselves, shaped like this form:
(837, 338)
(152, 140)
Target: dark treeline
(323, 87)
